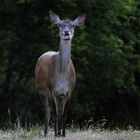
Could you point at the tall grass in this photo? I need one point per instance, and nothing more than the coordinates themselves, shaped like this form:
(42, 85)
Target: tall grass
(91, 131)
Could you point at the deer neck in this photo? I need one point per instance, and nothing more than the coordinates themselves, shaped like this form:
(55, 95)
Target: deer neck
(64, 55)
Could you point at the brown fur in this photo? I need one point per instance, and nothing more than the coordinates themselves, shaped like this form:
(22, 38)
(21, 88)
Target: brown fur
(45, 72)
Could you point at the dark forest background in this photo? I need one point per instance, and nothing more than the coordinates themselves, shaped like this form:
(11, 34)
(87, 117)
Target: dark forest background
(105, 52)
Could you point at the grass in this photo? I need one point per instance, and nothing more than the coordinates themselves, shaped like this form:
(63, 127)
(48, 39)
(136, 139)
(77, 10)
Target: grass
(36, 133)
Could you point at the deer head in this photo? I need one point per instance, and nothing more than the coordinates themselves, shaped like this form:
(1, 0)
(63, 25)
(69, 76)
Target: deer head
(66, 27)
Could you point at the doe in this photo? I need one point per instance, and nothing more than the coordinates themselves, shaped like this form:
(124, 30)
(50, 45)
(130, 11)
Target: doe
(55, 75)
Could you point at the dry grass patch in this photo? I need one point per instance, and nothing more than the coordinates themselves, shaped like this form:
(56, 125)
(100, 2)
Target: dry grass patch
(37, 134)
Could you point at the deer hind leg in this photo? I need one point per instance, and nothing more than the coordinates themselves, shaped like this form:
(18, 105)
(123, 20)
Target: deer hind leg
(45, 101)
(47, 117)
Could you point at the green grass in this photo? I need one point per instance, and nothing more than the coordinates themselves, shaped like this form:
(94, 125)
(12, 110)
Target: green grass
(36, 133)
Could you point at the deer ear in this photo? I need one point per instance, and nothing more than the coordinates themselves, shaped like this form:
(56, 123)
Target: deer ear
(54, 18)
(80, 20)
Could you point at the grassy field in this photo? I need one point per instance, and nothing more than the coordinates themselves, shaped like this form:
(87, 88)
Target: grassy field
(37, 134)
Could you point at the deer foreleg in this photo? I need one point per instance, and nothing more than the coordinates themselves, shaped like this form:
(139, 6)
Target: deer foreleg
(64, 118)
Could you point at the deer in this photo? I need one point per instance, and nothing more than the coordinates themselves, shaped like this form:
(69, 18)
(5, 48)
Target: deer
(55, 75)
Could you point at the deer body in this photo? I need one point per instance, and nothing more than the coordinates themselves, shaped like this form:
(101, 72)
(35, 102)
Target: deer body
(55, 77)
(55, 73)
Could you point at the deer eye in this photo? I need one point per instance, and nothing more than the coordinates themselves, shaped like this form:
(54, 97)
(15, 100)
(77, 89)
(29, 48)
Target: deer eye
(73, 25)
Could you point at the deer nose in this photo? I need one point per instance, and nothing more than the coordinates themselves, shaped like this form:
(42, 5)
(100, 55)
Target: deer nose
(66, 33)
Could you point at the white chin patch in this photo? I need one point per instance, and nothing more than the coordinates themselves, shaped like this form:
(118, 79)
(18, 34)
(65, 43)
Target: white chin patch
(66, 37)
